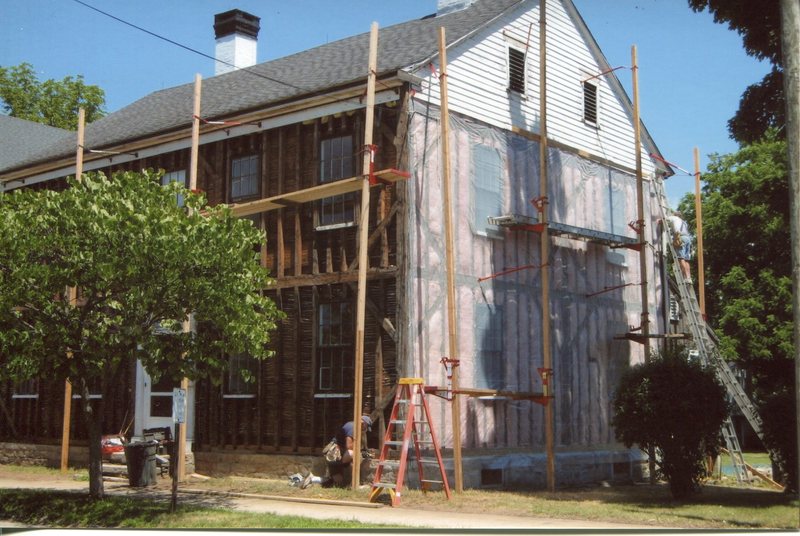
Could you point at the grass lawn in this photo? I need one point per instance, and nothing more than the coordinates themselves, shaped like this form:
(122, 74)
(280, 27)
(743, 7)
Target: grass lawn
(65, 509)
(717, 506)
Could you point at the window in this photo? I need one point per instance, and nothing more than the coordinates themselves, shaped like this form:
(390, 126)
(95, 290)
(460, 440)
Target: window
(241, 378)
(244, 177)
(487, 186)
(161, 397)
(335, 324)
(175, 176)
(26, 389)
(516, 70)
(590, 103)
(489, 369)
(336, 162)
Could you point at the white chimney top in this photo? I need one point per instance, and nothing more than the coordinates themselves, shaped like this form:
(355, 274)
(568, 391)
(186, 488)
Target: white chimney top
(236, 32)
(448, 6)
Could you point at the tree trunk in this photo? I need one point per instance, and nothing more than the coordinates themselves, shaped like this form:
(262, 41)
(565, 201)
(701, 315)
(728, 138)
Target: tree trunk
(95, 453)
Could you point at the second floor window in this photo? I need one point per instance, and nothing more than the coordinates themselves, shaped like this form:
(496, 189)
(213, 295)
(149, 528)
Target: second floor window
(336, 162)
(336, 159)
(244, 177)
(487, 185)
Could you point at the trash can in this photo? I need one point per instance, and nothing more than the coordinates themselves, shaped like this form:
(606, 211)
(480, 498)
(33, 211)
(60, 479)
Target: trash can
(140, 458)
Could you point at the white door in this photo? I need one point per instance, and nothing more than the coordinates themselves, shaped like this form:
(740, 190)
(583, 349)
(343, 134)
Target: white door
(154, 403)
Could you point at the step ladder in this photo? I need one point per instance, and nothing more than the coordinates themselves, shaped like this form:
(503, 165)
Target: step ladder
(708, 352)
(409, 427)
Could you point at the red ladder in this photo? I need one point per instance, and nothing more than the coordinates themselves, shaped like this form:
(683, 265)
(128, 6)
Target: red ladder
(409, 424)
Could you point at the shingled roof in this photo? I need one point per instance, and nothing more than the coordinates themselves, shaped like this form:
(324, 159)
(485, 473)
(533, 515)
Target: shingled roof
(310, 72)
(22, 140)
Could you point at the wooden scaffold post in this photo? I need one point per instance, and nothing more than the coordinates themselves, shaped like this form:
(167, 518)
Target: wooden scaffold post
(363, 260)
(544, 250)
(698, 208)
(452, 328)
(641, 228)
(72, 296)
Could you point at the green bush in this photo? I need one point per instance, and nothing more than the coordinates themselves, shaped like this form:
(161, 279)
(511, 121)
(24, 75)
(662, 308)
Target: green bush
(677, 406)
(779, 415)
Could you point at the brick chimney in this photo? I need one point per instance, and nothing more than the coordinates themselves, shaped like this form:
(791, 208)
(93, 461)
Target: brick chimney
(236, 32)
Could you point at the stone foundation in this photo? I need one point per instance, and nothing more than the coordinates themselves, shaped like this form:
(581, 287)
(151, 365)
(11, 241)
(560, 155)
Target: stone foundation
(50, 456)
(43, 455)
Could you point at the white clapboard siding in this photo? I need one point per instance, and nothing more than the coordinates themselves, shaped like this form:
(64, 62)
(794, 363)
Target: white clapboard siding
(477, 83)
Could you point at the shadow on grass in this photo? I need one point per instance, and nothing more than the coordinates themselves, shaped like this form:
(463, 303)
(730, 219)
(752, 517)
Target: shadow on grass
(738, 507)
(76, 509)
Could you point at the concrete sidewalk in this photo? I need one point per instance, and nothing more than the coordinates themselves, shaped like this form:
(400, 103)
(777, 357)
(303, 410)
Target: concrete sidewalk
(325, 509)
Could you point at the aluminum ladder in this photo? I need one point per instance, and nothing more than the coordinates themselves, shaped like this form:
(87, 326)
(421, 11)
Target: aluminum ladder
(708, 352)
(409, 427)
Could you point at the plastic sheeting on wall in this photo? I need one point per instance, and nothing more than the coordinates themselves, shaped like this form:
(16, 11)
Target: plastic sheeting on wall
(499, 319)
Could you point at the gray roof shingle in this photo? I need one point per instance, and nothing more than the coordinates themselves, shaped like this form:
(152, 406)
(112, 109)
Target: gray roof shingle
(22, 140)
(308, 72)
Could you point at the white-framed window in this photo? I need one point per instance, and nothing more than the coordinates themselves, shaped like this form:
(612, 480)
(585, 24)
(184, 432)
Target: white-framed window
(245, 175)
(240, 381)
(335, 347)
(591, 103)
(516, 70)
(336, 162)
(489, 365)
(487, 188)
(161, 397)
(178, 176)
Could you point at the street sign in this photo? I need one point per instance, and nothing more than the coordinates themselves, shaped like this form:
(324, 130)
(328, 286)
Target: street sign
(179, 405)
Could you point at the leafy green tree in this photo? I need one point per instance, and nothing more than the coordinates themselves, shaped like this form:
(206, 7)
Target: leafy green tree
(142, 264)
(748, 276)
(763, 105)
(676, 406)
(51, 102)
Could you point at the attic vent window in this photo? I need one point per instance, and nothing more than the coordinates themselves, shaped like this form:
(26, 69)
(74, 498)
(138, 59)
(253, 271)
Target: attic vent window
(516, 70)
(590, 103)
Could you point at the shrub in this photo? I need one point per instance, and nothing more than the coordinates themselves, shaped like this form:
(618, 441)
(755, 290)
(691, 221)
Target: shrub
(779, 415)
(677, 406)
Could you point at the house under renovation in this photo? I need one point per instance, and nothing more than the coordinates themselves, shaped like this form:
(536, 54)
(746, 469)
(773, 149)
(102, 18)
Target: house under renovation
(271, 133)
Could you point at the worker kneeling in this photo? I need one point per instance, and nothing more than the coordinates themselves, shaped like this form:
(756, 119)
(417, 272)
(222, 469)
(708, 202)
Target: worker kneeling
(338, 455)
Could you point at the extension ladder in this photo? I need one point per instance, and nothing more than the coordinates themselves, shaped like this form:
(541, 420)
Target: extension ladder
(707, 349)
(409, 426)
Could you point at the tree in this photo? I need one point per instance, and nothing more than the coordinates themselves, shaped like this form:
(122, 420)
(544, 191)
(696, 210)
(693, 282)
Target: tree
(748, 276)
(142, 265)
(763, 104)
(51, 102)
(676, 406)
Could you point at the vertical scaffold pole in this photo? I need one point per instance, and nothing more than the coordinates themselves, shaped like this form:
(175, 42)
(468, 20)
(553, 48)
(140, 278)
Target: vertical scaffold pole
(363, 260)
(72, 296)
(451, 264)
(547, 355)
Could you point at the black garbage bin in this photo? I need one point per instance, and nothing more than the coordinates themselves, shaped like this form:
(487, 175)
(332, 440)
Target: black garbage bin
(140, 458)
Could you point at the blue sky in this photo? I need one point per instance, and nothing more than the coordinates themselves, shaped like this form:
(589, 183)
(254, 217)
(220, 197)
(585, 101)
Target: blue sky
(692, 71)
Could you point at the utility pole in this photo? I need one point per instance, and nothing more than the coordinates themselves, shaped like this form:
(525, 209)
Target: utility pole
(790, 40)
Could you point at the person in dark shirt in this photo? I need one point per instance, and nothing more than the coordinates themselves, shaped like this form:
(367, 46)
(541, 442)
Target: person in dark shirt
(340, 471)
